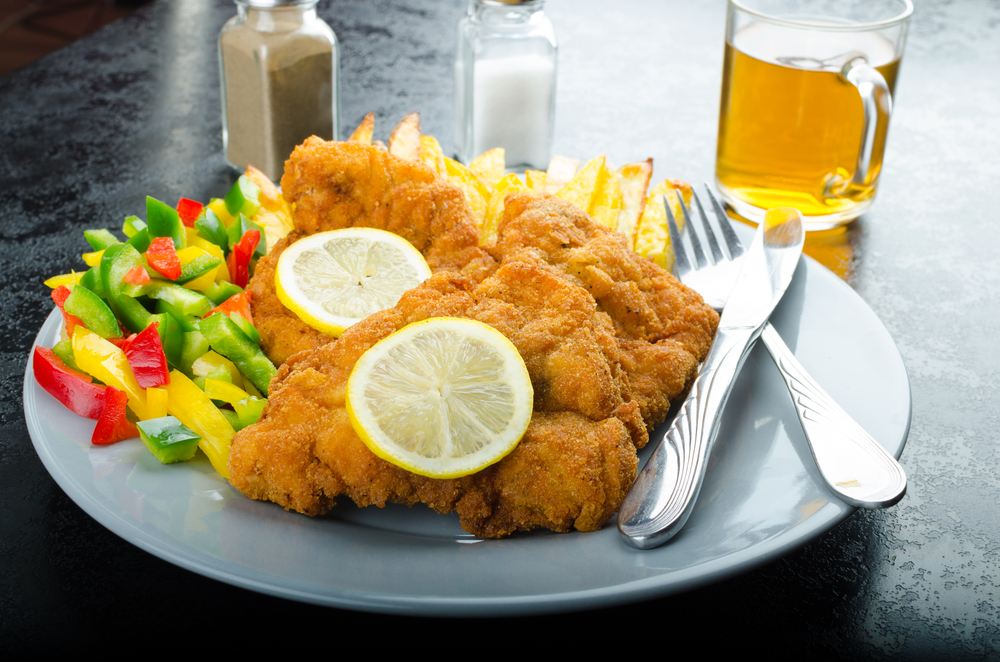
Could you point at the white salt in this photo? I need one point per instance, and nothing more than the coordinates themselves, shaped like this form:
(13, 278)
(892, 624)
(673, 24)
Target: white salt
(512, 105)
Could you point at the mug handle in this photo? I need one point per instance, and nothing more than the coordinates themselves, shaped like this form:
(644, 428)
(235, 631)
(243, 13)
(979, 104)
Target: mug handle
(877, 103)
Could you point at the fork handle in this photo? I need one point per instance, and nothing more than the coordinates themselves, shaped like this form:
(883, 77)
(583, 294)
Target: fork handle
(854, 465)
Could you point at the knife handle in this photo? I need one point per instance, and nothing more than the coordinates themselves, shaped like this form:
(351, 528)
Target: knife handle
(664, 493)
(855, 466)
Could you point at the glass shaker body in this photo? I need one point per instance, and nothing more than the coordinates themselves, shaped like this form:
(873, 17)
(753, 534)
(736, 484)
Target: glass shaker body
(505, 82)
(279, 66)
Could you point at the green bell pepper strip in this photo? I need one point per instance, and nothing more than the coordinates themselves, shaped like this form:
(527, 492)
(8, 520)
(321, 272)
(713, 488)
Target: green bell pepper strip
(168, 439)
(247, 327)
(197, 267)
(132, 226)
(211, 228)
(95, 314)
(243, 197)
(194, 345)
(249, 410)
(115, 263)
(227, 339)
(162, 220)
(187, 302)
(188, 323)
(171, 336)
(92, 281)
(64, 351)
(100, 239)
(219, 293)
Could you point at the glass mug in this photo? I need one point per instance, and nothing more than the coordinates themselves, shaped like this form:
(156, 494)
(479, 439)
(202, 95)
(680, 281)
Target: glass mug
(807, 91)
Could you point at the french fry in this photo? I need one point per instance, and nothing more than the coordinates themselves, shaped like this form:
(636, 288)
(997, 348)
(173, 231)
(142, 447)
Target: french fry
(560, 172)
(580, 189)
(363, 133)
(652, 238)
(489, 166)
(404, 141)
(606, 200)
(634, 181)
(275, 216)
(432, 155)
(535, 180)
(476, 191)
(494, 210)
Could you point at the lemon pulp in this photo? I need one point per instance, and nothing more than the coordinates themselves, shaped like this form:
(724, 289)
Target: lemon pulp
(334, 279)
(442, 398)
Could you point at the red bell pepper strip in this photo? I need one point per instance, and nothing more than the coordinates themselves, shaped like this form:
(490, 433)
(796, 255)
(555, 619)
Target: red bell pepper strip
(144, 352)
(238, 303)
(74, 389)
(112, 425)
(59, 295)
(136, 276)
(189, 211)
(239, 259)
(162, 258)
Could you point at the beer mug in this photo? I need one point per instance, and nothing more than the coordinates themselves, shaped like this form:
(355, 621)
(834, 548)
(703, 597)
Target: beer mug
(807, 88)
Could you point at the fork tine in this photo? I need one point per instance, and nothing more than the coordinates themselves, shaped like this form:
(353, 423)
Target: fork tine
(699, 254)
(682, 265)
(732, 241)
(713, 243)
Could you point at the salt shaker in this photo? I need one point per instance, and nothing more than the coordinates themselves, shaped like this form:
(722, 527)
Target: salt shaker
(505, 82)
(279, 66)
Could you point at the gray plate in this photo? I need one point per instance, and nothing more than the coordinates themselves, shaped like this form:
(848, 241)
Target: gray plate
(761, 499)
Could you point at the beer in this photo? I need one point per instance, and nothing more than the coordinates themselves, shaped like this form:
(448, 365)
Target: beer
(790, 125)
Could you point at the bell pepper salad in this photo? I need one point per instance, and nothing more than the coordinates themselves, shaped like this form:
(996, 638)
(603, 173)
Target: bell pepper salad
(158, 339)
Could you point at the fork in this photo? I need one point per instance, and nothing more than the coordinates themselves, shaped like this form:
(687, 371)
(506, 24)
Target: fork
(855, 466)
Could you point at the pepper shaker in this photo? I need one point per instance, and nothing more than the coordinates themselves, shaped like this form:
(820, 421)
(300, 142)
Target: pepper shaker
(505, 82)
(279, 65)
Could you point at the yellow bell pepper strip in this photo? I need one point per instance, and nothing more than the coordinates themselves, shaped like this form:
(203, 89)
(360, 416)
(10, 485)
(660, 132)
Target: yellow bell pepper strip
(72, 278)
(229, 340)
(107, 363)
(162, 220)
(112, 425)
(218, 389)
(93, 259)
(95, 314)
(218, 207)
(74, 389)
(168, 439)
(156, 402)
(193, 408)
(213, 364)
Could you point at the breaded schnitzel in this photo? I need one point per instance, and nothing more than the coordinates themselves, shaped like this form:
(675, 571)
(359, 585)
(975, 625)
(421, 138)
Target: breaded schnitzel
(664, 329)
(573, 467)
(334, 185)
(609, 340)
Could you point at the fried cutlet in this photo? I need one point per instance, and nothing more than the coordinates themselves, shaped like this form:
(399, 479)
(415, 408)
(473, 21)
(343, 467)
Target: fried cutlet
(664, 329)
(334, 185)
(573, 467)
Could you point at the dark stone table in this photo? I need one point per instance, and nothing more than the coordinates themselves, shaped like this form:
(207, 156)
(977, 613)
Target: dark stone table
(133, 110)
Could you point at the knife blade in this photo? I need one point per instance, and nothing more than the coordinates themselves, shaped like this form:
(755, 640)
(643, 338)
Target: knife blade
(664, 493)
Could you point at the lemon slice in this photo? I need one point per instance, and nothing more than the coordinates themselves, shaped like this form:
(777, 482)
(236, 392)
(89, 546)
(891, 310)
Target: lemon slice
(442, 398)
(333, 279)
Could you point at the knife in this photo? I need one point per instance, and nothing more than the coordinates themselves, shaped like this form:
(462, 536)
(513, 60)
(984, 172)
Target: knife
(663, 495)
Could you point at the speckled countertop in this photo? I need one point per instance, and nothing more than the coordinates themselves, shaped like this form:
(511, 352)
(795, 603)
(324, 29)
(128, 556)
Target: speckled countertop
(133, 110)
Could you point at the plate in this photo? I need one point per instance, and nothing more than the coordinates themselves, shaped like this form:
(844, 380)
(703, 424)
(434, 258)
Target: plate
(762, 496)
